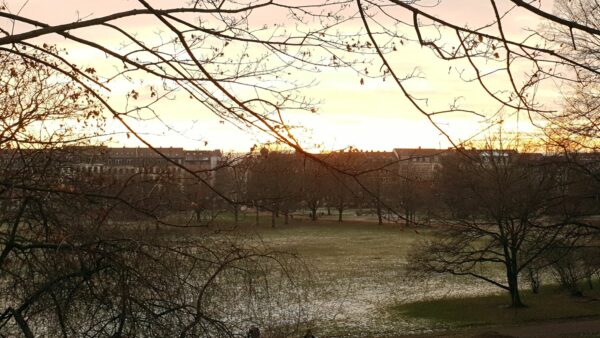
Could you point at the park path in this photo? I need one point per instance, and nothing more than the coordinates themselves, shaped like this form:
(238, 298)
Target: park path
(587, 327)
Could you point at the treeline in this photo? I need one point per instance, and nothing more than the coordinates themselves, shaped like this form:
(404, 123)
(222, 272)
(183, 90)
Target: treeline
(281, 183)
(285, 184)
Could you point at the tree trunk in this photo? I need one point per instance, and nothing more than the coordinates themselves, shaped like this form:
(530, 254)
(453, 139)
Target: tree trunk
(273, 215)
(257, 215)
(313, 212)
(287, 218)
(515, 297)
(198, 213)
(513, 282)
(534, 279)
(328, 211)
(340, 213)
(213, 210)
(235, 213)
(379, 214)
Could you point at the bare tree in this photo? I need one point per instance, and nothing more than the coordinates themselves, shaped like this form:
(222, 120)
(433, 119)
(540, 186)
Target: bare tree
(233, 180)
(414, 195)
(572, 265)
(574, 129)
(195, 53)
(342, 190)
(68, 270)
(274, 181)
(505, 210)
(373, 173)
(202, 58)
(312, 186)
(199, 57)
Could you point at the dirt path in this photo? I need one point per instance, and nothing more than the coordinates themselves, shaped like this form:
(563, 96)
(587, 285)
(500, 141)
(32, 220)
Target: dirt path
(588, 327)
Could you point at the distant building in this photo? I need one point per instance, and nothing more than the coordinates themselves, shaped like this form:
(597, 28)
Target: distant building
(118, 163)
(202, 159)
(129, 161)
(419, 163)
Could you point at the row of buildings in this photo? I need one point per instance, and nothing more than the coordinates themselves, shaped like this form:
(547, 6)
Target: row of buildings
(116, 161)
(125, 161)
(407, 162)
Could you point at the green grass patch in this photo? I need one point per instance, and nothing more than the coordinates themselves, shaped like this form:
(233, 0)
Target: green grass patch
(550, 304)
(330, 240)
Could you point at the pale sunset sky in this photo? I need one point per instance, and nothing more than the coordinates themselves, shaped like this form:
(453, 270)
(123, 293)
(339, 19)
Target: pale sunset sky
(374, 115)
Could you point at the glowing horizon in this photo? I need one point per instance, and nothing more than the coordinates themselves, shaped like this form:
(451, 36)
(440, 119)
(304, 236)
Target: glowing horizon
(369, 114)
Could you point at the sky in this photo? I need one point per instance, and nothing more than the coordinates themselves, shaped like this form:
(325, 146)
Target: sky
(371, 114)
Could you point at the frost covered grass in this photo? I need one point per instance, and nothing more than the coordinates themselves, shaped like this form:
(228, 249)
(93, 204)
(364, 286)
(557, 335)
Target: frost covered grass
(357, 274)
(356, 284)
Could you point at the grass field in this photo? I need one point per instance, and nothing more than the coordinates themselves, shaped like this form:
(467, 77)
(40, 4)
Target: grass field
(551, 303)
(361, 289)
(356, 268)
(358, 271)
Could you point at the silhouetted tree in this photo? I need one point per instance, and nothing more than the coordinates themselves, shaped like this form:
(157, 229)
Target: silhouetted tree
(505, 210)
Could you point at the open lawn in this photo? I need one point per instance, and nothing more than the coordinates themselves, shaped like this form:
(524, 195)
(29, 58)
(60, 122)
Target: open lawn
(491, 310)
(361, 289)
